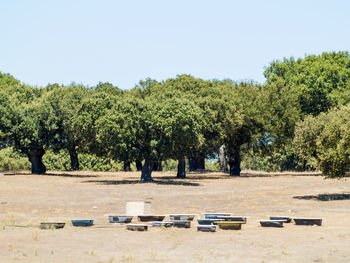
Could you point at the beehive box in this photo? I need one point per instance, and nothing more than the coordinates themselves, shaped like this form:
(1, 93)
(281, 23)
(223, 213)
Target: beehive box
(138, 208)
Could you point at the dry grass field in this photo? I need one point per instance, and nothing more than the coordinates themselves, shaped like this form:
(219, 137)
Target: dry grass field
(26, 200)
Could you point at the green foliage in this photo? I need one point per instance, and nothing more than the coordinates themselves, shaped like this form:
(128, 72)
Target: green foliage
(242, 116)
(212, 165)
(206, 96)
(108, 88)
(170, 165)
(58, 160)
(319, 82)
(12, 160)
(325, 140)
(127, 131)
(65, 103)
(93, 106)
(88, 162)
(12, 94)
(94, 163)
(280, 159)
(186, 117)
(295, 89)
(34, 125)
(179, 122)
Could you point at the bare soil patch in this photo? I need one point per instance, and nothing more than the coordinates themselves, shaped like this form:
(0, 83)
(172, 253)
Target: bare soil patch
(26, 200)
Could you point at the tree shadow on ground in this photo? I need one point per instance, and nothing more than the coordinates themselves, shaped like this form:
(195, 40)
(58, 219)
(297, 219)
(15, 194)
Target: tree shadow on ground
(275, 174)
(53, 174)
(15, 173)
(324, 197)
(203, 171)
(70, 175)
(160, 182)
(195, 177)
(202, 174)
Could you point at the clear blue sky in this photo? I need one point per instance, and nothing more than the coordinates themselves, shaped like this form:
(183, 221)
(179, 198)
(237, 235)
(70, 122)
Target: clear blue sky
(87, 41)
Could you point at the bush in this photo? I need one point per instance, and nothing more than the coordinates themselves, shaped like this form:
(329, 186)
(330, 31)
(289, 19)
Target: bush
(60, 161)
(282, 159)
(94, 163)
(171, 165)
(12, 160)
(212, 165)
(57, 161)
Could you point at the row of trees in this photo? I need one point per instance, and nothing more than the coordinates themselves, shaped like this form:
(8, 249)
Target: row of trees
(180, 118)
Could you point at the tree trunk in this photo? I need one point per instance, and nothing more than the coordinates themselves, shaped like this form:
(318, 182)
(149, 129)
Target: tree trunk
(157, 166)
(35, 158)
(196, 162)
(74, 161)
(146, 173)
(222, 159)
(127, 166)
(181, 168)
(235, 164)
(138, 165)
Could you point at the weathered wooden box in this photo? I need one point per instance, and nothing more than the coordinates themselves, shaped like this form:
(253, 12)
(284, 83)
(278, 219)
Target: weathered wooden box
(186, 217)
(215, 215)
(286, 218)
(206, 228)
(242, 219)
(230, 225)
(271, 223)
(204, 221)
(120, 219)
(162, 224)
(182, 223)
(308, 221)
(82, 222)
(148, 218)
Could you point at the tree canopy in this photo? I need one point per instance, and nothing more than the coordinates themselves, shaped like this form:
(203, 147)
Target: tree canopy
(324, 141)
(298, 119)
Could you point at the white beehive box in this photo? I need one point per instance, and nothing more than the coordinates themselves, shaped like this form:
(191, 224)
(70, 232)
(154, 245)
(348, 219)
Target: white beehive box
(138, 208)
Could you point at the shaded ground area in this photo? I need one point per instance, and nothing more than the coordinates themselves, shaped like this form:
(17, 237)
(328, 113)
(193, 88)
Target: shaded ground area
(26, 200)
(163, 182)
(325, 197)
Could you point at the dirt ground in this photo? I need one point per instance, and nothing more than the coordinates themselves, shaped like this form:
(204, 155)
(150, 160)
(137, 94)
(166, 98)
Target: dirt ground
(26, 200)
